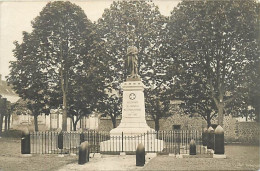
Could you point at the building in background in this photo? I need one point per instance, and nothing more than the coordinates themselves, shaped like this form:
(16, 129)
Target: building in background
(53, 121)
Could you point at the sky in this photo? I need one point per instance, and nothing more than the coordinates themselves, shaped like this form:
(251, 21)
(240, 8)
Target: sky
(16, 17)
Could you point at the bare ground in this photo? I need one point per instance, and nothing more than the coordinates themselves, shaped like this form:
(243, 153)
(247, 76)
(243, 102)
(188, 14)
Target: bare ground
(238, 158)
(11, 158)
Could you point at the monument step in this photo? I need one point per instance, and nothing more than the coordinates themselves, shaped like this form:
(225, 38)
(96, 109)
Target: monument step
(131, 145)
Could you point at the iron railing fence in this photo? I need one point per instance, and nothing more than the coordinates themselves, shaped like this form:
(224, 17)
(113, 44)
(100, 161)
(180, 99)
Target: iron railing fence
(48, 142)
(176, 142)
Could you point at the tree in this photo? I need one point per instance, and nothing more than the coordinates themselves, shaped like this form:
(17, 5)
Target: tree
(250, 106)
(112, 106)
(6, 109)
(157, 105)
(27, 78)
(199, 103)
(8, 112)
(214, 44)
(65, 35)
(127, 23)
(2, 112)
(61, 38)
(254, 88)
(86, 92)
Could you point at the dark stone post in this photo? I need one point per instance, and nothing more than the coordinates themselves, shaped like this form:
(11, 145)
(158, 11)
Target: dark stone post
(25, 142)
(214, 126)
(140, 155)
(192, 147)
(83, 153)
(210, 143)
(82, 137)
(60, 140)
(219, 140)
(205, 137)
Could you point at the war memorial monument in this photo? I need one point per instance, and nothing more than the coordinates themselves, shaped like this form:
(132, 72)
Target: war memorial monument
(133, 128)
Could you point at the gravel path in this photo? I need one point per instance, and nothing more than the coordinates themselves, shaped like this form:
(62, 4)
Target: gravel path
(107, 162)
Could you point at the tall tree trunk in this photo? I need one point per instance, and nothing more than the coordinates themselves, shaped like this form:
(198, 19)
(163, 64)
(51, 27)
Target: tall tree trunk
(208, 120)
(157, 125)
(64, 114)
(74, 125)
(58, 120)
(50, 121)
(113, 118)
(64, 88)
(75, 122)
(64, 83)
(36, 128)
(4, 111)
(220, 107)
(257, 113)
(80, 124)
(1, 123)
(6, 122)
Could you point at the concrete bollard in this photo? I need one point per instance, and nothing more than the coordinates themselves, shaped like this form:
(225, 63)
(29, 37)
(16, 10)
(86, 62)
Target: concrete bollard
(60, 140)
(210, 144)
(25, 142)
(140, 155)
(83, 153)
(192, 147)
(219, 140)
(205, 137)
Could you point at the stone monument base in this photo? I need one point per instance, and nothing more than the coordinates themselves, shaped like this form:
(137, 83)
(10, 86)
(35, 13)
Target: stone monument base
(129, 144)
(219, 156)
(133, 128)
(133, 134)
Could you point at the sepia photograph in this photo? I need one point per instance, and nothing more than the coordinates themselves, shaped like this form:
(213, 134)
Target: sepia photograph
(129, 85)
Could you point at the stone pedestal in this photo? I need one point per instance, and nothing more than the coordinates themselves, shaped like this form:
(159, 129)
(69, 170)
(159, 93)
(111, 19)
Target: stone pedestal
(133, 111)
(133, 124)
(130, 143)
(219, 156)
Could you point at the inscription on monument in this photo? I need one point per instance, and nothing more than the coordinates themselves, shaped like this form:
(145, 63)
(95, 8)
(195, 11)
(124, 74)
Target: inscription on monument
(132, 107)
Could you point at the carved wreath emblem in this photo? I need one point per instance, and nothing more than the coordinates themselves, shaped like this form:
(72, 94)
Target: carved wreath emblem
(132, 96)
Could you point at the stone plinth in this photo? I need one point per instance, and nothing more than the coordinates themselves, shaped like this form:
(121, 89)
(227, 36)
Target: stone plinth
(133, 124)
(133, 112)
(219, 156)
(130, 143)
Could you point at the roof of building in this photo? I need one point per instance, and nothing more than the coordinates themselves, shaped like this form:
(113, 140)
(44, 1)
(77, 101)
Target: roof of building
(7, 92)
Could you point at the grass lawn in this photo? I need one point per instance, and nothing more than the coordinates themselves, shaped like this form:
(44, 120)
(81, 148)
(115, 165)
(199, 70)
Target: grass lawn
(239, 157)
(11, 158)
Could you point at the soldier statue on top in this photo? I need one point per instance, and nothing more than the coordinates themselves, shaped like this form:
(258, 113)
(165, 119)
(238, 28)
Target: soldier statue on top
(132, 63)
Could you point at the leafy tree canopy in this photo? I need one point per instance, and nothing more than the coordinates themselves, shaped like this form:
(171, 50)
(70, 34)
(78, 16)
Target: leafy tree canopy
(55, 62)
(213, 44)
(140, 24)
